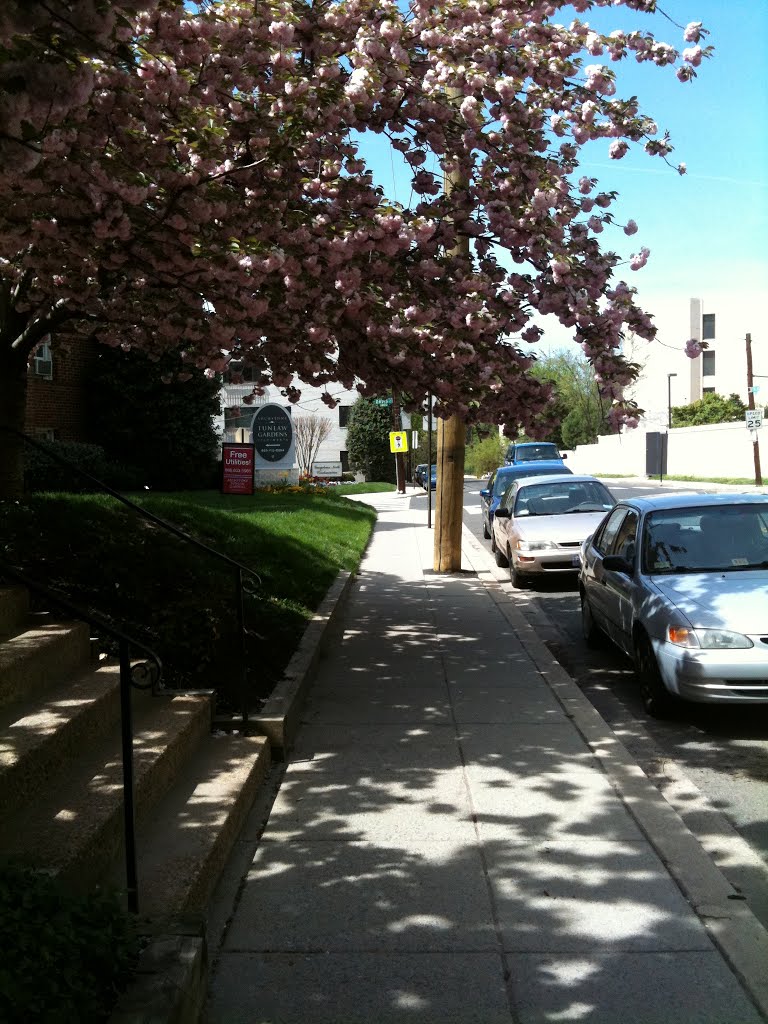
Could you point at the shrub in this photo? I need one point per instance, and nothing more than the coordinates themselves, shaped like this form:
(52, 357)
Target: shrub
(65, 957)
(483, 456)
(368, 430)
(42, 473)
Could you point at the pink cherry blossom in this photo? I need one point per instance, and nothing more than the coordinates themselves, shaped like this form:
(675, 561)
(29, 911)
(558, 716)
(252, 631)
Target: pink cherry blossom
(213, 193)
(693, 348)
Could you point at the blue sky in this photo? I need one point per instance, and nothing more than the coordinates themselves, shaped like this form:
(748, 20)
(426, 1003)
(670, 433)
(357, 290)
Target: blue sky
(707, 230)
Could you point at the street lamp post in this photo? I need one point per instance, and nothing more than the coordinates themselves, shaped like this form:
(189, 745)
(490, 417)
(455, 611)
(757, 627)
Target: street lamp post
(669, 399)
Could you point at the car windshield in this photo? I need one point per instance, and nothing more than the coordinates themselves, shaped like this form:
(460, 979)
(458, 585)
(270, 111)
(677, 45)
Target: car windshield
(566, 498)
(713, 538)
(534, 452)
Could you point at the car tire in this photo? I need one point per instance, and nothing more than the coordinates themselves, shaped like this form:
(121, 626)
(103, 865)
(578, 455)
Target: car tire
(486, 531)
(589, 629)
(518, 579)
(658, 702)
(498, 555)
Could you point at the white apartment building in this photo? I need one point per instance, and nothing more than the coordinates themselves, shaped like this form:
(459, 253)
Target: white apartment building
(670, 378)
(235, 423)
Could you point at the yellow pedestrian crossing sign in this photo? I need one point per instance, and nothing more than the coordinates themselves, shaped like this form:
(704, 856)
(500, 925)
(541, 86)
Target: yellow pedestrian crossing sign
(398, 440)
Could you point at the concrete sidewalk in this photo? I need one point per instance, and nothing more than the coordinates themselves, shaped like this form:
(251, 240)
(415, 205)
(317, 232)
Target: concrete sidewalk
(458, 837)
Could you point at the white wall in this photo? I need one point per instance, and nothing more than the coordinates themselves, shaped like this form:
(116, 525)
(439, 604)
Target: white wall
(717, 450)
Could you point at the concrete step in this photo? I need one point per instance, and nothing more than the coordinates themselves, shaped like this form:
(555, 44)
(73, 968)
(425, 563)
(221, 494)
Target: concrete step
(183, 847)
(41, 657)
(38, 738)
(14, 609)
(76, 829)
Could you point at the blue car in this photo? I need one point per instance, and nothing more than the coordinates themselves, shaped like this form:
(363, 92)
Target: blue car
(532, 451)
(500, 480)
(433, 480)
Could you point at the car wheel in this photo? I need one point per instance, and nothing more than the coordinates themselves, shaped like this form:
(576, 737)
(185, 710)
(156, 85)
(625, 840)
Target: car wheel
(498, 555)
(518, 580)
(486, 531)
(658, 702)
(589, 628)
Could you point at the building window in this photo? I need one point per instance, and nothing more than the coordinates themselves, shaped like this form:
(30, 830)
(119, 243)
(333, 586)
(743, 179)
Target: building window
(343, 415)
(237, 416)
(45, 434)
(707, 391)
(708, 326)
(42, 363)
(344, 458)
(708, 365)
(241, 373)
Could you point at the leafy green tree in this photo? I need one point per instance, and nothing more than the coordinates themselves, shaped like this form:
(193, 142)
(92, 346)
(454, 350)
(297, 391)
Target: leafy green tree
(165, 430)
(711, 408)
(485, 454)
(368, 430)
(581, 413)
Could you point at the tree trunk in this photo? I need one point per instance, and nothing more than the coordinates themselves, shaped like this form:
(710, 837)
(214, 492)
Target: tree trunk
(451, 439)
(13, 399)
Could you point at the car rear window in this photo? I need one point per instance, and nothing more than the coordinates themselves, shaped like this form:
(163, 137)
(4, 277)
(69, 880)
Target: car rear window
(533, 452)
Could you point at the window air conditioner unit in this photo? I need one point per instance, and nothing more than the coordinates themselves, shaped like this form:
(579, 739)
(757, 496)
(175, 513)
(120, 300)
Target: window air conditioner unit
(43, 368)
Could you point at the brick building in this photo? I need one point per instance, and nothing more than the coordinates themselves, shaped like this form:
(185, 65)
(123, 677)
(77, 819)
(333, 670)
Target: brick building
(57, 383)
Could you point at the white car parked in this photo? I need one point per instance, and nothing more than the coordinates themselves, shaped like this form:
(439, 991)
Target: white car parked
(541, 522)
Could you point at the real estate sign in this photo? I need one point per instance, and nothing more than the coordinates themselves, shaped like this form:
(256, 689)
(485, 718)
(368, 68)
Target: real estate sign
(273, 437)
(237, 468)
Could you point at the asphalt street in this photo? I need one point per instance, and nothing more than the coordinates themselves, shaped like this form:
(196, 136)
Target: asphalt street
(711, 763)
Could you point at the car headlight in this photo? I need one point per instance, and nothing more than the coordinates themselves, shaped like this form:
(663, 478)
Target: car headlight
(707, 639)
(535, 545)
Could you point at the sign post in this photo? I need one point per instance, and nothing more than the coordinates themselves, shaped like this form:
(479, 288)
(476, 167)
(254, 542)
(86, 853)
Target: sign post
(398, 441)
(753, 419)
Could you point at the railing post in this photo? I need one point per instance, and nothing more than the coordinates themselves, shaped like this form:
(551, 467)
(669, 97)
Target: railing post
(126, 727)
(239, 604)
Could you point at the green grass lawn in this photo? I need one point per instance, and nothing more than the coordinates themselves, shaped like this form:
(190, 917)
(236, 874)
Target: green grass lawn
(178, 599)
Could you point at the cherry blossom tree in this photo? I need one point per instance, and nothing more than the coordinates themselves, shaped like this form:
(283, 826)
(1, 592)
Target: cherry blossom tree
(203, 186)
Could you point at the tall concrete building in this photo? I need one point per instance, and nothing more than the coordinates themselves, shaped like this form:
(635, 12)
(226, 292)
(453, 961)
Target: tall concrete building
(668, 377)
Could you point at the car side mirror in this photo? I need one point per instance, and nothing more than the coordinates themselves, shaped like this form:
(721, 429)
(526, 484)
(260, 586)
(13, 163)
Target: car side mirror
(484, 493)
(563, 455)
(616, 563)
(502, 513)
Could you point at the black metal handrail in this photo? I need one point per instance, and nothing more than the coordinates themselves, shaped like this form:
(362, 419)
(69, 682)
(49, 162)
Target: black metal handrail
(130, 675)
(238, 567)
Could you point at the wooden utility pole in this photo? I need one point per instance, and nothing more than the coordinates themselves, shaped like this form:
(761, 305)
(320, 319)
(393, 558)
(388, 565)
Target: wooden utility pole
(751, 405)
(449, 501)
(451, 441)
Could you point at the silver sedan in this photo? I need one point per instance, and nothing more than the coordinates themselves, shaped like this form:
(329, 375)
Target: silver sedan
(541, 522)
(680, 584)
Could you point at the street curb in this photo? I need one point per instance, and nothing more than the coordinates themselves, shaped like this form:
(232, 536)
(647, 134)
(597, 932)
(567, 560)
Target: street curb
(278, 720)
(170, 984)
(732, 926)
